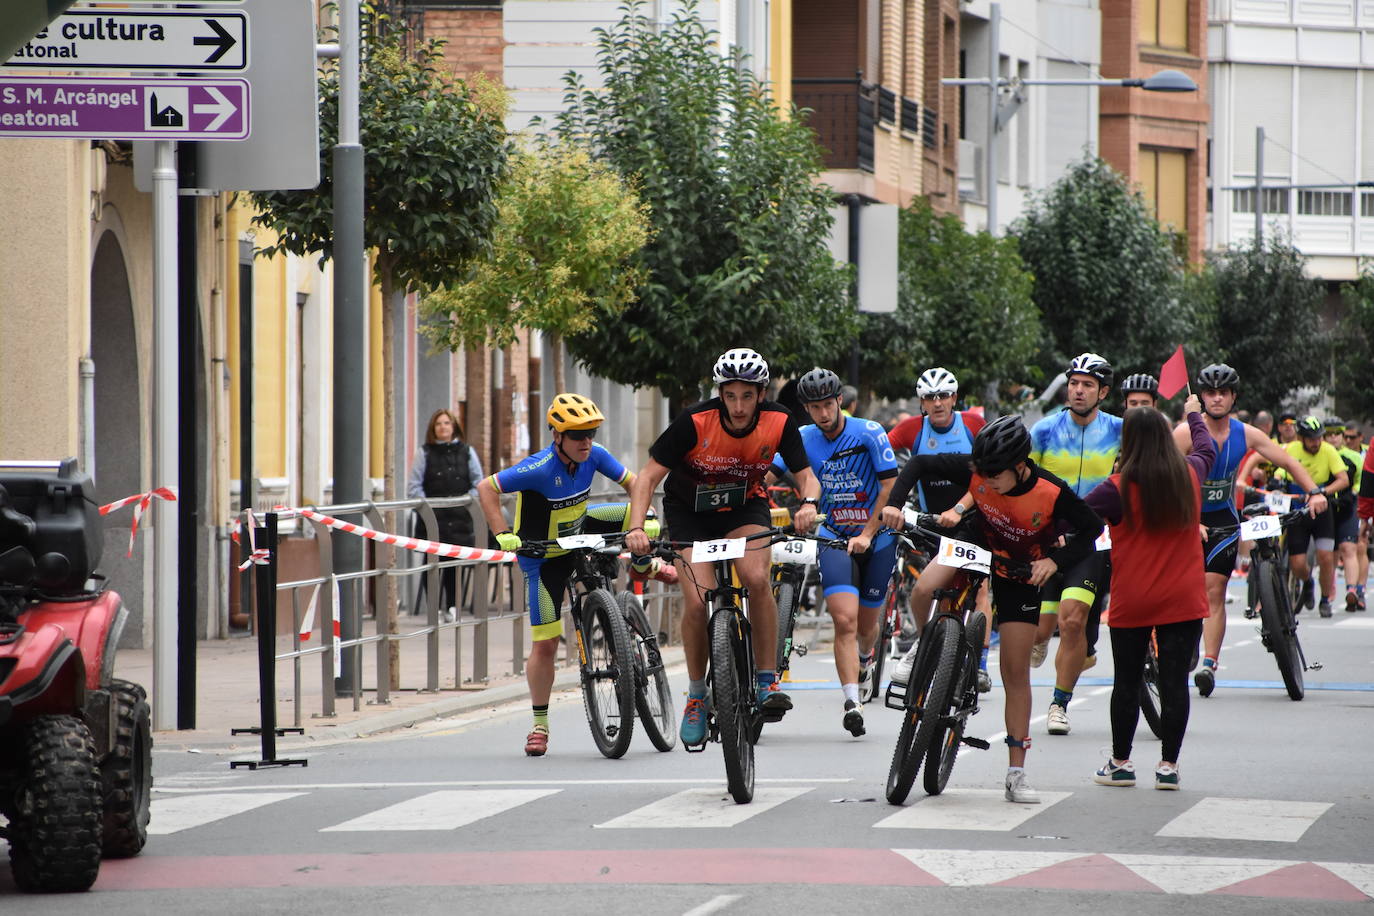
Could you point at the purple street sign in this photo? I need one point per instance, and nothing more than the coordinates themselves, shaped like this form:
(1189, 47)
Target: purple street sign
(120, 108)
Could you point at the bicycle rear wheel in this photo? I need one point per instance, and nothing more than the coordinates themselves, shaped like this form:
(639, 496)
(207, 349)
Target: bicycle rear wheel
(1278, 629)
(653, 696)
(881, 648)
(907, 755)
(608, 679)
(1149, 692)
(732, 702)
(786, 597)
(947, 691)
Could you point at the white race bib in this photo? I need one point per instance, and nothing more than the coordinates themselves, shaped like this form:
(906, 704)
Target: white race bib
(1278, 502)
(723, 549)
(1104, 540)
(1260, 527)
(963, 555)
(574, 541)
(797, 550)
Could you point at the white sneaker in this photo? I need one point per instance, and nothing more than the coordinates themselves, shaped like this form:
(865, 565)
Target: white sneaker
(1019, 789)
(866, 685)
(1038, 652)
(902, 672)
(1058, 720)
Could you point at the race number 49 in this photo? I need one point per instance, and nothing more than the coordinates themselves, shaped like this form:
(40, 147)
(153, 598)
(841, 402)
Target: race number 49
(797, 550)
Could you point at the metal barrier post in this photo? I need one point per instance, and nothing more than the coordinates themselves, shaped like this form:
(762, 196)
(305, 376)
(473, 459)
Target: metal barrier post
(326, 618)
(384, 612)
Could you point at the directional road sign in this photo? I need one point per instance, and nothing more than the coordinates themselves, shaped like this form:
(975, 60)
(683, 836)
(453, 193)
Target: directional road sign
(139, 40)
(125, 108)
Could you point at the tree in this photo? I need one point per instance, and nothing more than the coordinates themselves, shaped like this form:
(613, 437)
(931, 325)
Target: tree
(1267, 321)
(1107, 278)
(1353, 356)
(563, 256)
(964, 302)
(739, 252)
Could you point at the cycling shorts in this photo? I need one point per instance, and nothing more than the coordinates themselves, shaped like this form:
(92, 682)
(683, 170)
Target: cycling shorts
(686, 524)
(1015, 602)
(1221, 547)
(547, 584)
(1087, 582)
(1346, 524)
(1305, 529)
(867, 574)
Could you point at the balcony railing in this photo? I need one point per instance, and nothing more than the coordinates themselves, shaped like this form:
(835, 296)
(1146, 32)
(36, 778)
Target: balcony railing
(843, 114)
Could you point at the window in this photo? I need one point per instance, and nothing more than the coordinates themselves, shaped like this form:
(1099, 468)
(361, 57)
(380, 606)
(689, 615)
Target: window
(1367, 203)
(1164, 182)
(1164, 24)
(1324, 203)
(1275, 200)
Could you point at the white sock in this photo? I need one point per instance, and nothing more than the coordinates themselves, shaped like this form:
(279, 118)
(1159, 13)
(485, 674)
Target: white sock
(851, 691)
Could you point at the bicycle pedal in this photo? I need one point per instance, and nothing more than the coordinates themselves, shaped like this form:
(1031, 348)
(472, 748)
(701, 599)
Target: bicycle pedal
(895, 698)
(1314, 666)
(975, 742)
(695, 748)
(772, 715)
(799, 650)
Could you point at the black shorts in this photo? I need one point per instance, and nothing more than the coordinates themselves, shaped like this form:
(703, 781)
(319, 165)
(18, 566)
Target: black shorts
(686, 524)
(1087, 581)
(1306, 529)
(1221, 547)
(1014, 602)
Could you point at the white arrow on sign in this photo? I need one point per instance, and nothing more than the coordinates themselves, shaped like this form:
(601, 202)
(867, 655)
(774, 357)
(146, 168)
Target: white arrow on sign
(223, 109)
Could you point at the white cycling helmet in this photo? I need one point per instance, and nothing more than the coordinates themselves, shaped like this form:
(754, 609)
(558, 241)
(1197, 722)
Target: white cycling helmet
(740, 365)
(935, 382)
(1091, 364)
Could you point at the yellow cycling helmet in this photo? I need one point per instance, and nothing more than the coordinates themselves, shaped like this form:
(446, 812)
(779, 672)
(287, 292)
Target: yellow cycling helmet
(573, 411)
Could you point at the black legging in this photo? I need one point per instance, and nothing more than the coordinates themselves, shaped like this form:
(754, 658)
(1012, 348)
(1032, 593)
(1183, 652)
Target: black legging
(1175, 643)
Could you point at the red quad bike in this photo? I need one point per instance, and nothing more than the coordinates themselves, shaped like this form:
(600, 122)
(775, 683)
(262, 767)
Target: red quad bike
(75, 744)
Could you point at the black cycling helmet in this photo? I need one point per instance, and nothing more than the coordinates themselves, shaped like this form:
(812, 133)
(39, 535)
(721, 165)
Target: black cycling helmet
(1001, 445)
(1218, 376)
(1092, 365)
(1140, 383)
(818, 385)
(1309, 427)
(1334, 425)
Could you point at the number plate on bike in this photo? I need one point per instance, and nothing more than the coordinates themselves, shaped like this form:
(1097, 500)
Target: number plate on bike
(723, 549)
(576, 541)
(963, 555)
(796, 550)
(1260, 527)
(1278, 502)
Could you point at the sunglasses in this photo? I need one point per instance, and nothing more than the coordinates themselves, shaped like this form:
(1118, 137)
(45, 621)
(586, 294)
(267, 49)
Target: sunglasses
(1352, 436)
(580, 435)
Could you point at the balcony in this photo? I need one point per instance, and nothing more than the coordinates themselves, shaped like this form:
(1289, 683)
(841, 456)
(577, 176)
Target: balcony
(844, 113)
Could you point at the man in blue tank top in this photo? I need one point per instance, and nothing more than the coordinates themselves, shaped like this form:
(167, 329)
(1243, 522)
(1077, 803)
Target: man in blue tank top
(1217, 385)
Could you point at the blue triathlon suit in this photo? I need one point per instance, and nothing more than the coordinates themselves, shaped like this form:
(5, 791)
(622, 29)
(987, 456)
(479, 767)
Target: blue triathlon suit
(1219, 504)
(956, 439)
(552, 503)
(850, 468)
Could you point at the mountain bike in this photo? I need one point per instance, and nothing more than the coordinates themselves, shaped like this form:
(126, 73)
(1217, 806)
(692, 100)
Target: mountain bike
(942, 691)
(606, 656)
(791, 559)
(653, 695)
(897, 631)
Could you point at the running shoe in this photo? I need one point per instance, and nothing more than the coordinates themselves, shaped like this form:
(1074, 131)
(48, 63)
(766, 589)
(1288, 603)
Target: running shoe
(1206, 680)
(866, 685)
(537, 742)
(1305, 601)
(1112, 774)
(1324, 607)
(901, 672)
(1058, 723)
(772, 699)
(1019, 790)
(1166, 776)
(854, 718)
(984, 681)
(693, 731)
(1038, 652)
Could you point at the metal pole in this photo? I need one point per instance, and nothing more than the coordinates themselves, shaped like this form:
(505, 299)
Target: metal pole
(350, 298)
(1259, 186)
(165, 433)
(187, 496)
(994, 58)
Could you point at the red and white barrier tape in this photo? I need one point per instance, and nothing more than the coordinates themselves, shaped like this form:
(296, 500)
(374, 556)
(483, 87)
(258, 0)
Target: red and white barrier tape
(259, 556)
(438, 548)
(143, 500)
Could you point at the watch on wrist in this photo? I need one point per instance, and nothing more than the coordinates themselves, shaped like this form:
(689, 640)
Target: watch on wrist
(959, 509)
(1316, 491)
(811, 501)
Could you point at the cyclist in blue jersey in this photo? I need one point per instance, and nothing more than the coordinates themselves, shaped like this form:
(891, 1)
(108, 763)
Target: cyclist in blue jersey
(1217, 386)
(856, 468)
(552, 486)
(1079, 446)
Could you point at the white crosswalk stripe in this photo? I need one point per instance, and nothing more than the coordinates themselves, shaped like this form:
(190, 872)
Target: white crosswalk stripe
(703, 808)
(182, 812)
(447, 810)
(968, 809)
(1246, 819)
(967, 868)
(1193, 874)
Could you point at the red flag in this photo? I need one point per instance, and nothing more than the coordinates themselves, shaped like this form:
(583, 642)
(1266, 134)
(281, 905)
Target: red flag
(1174, 375)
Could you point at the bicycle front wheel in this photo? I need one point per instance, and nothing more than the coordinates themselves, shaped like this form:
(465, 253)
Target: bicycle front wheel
(947, 693)
(881, 648)
(608, 678)
(653, 696)
(732, 702)
(907, 755)
(1278, 629)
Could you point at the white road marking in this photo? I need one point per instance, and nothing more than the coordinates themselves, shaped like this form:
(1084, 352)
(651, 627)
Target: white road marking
(714, 905)
(1356, 622)
(702, 808)
(461, 783)
(447, 810)
(969, 809)
(1193, 874)
(1246, 819)
(172, 815)
(967, 868)
(1361, 875)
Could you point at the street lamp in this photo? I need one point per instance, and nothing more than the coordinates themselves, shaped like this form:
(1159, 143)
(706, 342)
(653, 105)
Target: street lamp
(1000, 113)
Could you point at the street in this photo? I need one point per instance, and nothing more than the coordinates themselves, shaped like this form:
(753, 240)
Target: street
(1274, 813)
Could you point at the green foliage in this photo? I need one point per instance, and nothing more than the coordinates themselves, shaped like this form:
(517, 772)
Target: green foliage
(563, 255)
(434, 150)
(964, 302)
(1267, 322)
(1354, 351)
(738, 255)
(1107, 277)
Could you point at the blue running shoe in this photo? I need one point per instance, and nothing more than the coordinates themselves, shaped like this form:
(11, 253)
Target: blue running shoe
(693, 729)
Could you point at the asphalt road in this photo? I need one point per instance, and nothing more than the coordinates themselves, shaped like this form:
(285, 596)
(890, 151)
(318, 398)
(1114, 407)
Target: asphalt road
(1275, 814)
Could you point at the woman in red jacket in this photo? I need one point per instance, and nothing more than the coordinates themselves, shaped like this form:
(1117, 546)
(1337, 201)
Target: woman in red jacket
(1153, 504)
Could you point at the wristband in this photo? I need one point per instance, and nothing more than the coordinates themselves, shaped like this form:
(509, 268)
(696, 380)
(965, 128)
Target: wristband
(810, 501)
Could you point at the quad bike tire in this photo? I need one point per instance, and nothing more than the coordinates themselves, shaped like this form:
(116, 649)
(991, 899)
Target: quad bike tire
(126, 775)
(54, 829)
